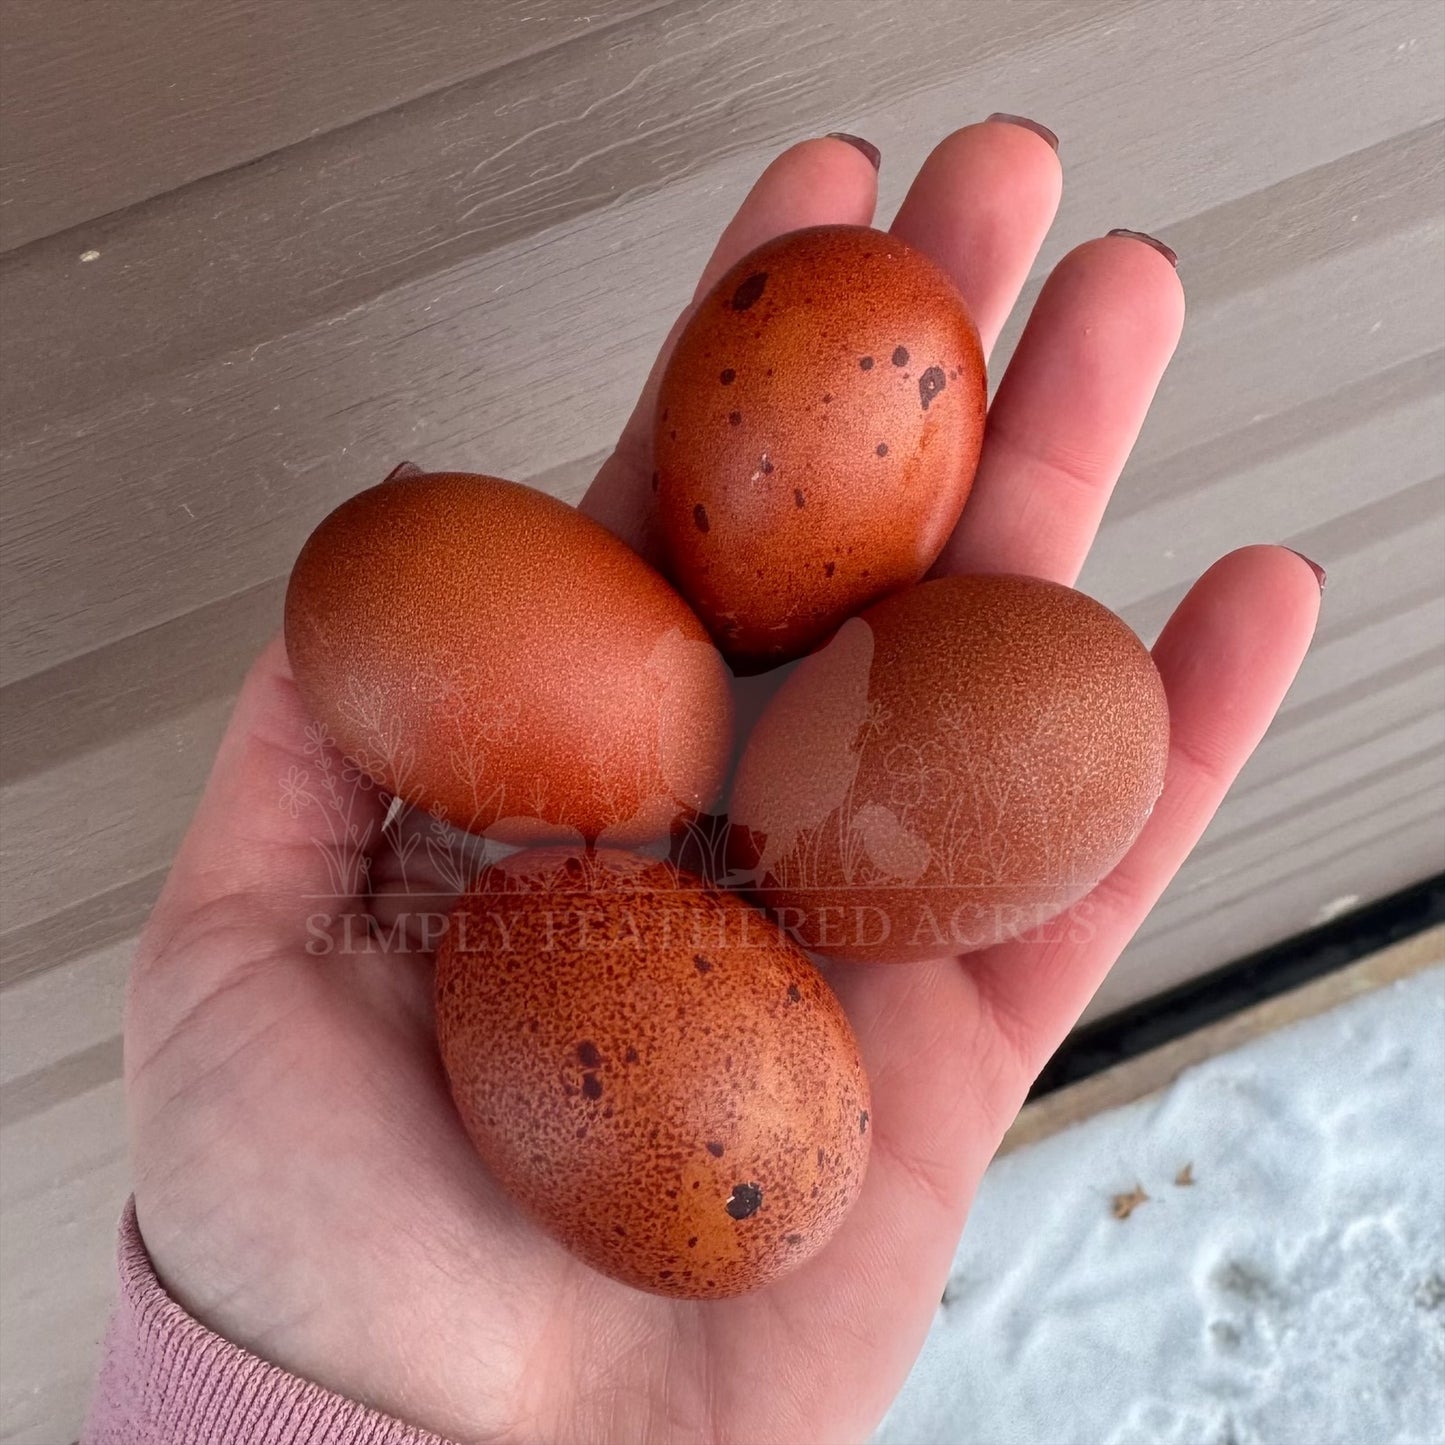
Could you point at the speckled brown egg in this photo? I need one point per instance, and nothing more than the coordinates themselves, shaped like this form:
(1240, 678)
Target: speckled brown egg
(958, 765)
(651, 1069)
(817, 433)
(485, 651)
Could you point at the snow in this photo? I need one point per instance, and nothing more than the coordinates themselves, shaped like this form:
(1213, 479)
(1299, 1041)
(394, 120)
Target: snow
(1293, 1294)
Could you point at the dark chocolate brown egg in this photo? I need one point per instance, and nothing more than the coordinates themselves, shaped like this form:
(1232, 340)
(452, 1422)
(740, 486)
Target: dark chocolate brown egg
(817, 432)
(651, 1069)
(485, 651)
(958, 765)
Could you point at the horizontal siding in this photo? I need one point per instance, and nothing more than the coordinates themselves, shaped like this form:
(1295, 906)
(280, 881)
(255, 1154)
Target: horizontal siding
(107, 105)
(306, 415)
(464, 246)
(251, 255)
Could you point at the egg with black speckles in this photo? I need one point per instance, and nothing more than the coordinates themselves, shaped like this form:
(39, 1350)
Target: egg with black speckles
(651, 1069)
(958, 765)
(490, 654)
(817, 432)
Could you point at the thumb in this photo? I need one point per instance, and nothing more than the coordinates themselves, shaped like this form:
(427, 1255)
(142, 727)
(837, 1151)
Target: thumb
(285, 829)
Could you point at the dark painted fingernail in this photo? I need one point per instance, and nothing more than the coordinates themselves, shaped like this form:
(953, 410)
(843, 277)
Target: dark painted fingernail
(1022, 120)
(1312, 565)
(875, 156)
(1149, 240)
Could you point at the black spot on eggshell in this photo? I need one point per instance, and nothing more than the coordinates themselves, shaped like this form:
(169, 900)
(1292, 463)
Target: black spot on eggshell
(881, 449)
(591, 1086)
(930, 384)
(792, 1239)
(863, 1122)
(765, 466)
(699, 517)
(900, 356)
(749, 291)
(794, 993)
(829, 568)
(715, 1149)
(862, 287)
(744, 1201)
(798, 499)
(587, 1054)
(728, 376)
(735, 418)
(701, 963)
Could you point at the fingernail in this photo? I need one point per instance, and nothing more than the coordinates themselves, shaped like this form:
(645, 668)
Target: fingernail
(1039, 130)
(875, 156)
(401, 471)
(1313, 566)
(1148, 240)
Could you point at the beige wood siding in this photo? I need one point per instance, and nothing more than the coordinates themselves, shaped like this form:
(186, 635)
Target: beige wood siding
(457, 234)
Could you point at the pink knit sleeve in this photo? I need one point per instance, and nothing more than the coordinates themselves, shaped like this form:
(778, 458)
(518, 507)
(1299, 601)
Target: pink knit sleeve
(165, 1379)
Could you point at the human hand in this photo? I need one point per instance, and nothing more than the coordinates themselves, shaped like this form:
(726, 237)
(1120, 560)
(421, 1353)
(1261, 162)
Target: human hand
(302, 1181)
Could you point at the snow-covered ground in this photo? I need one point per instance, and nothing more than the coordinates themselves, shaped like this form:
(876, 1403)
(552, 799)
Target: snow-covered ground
(1292, 1294)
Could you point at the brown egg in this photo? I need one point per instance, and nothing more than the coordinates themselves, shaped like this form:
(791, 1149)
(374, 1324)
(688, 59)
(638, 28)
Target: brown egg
(817, 433)
(487, 652)
(650, 1069)
(958, 765)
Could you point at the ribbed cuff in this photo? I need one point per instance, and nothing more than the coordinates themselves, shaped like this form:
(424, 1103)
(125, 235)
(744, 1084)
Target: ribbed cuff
(165, 1379)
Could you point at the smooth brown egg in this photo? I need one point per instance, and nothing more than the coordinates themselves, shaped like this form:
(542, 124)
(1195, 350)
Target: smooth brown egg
(817, 432)
(486, 652)
(958, 765)
(651, 1070)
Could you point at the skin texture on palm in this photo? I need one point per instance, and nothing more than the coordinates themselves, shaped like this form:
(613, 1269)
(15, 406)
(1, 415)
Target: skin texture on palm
(302, 1181)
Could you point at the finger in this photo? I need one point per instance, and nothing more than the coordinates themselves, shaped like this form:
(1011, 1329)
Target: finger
(282, 818)
(1068, 410)
(818, 182)
(1227, 657)
(283, 833)
(981, 207)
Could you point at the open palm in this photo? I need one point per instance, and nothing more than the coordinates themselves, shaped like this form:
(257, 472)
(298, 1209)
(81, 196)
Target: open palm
(301, 1179)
